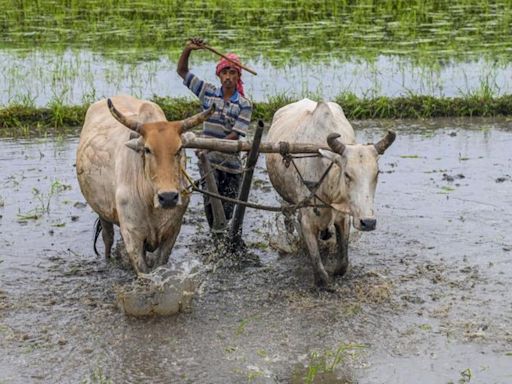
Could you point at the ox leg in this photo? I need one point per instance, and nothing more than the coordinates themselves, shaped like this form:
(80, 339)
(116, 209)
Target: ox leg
(310, 238)
(342, 235)
(135, 250)
(164, 251)
(107, 233)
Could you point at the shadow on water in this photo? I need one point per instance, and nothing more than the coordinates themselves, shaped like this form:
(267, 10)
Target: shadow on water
(426, 298)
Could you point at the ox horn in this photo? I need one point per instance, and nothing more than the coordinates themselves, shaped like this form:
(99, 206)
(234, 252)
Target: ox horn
(128, 122)
(197, 119)
(336, 145)
(384, 144)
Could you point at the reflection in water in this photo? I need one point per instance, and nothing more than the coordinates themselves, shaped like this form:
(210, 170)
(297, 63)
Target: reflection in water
(76, 77)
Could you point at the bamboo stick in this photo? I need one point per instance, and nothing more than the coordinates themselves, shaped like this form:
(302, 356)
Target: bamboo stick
(228, 59)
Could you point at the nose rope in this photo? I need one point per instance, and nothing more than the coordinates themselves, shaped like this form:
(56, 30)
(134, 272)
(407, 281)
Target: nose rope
(311, 186)
(188, 189)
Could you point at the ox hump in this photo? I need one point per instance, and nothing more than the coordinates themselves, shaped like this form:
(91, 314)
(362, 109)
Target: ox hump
(322, 117)
(150, 113)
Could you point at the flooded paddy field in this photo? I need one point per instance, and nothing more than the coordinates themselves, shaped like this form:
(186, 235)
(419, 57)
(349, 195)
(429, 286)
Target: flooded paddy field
(75, 77)
(426, 298)
(57, 52)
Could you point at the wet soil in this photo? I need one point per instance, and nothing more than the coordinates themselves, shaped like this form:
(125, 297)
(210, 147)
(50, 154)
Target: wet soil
(426, 298)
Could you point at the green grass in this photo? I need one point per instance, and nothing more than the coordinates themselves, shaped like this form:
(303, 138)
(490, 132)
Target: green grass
(25, 121)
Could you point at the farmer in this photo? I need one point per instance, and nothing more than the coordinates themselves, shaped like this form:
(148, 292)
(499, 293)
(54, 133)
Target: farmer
(229, 121)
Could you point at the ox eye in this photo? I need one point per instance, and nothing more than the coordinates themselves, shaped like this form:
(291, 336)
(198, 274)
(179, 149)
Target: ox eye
(348, 177)
(147, 151)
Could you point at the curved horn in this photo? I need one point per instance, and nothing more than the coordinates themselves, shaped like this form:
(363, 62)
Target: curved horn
(197, 119)
(384, 144)
(336, 145)
(128, 122)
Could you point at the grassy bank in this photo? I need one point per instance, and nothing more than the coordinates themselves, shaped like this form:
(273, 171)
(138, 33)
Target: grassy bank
(20, 120)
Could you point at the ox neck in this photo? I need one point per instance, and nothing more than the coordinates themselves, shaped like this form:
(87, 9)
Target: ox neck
(334, 189)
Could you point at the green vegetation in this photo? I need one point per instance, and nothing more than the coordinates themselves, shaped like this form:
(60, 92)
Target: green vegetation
(97, 377)
(43, 200)
(22, 121)
(280, 30)
(64, 54)
(322, 365)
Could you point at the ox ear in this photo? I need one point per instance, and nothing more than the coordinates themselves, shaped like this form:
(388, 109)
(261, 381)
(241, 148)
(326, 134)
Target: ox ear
(196, 119)
(334, 157)
(384, 144)
(341, 207)
(136, 144)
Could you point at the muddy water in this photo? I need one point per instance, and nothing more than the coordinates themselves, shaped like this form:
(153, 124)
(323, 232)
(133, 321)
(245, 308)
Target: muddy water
(426, 299)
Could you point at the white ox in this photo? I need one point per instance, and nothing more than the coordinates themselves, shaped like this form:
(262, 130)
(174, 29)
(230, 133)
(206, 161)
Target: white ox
(348, 188)
(128, 165)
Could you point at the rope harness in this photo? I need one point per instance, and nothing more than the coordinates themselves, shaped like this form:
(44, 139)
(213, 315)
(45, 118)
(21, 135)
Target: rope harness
(287, 158)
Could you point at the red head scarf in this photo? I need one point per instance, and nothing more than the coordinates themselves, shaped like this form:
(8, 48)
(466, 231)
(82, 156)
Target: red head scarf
(223, 63)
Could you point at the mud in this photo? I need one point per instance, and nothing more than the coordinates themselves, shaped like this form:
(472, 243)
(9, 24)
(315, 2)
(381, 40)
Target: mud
(426, 298)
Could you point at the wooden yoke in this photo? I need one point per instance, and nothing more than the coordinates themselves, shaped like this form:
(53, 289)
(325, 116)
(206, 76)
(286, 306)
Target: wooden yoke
(233, 146)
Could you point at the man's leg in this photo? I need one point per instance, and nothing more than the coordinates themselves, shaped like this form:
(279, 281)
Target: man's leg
(207, 206)
(231, 185)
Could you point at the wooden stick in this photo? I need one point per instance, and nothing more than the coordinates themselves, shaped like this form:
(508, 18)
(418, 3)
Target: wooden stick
(228, 59)
(239, 212)
(233, 146)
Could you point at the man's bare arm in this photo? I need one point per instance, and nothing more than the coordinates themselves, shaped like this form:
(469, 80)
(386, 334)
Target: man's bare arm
(192, 45)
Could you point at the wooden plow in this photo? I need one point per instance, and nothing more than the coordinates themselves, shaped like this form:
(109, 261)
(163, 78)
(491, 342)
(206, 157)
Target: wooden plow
(232, 236)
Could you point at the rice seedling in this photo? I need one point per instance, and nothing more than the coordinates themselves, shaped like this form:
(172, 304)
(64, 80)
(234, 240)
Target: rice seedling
(322, 363)
(44, 200)
(97, 377)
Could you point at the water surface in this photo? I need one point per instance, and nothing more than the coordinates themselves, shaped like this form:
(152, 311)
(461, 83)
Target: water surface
(426, 297)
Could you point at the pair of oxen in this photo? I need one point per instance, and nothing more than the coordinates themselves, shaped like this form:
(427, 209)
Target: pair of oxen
(130, 167)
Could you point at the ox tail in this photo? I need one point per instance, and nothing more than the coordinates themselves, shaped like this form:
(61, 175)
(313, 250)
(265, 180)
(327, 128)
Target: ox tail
(97, 230)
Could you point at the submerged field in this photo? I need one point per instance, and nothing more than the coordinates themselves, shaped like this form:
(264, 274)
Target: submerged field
(72, 53)
(427, 298)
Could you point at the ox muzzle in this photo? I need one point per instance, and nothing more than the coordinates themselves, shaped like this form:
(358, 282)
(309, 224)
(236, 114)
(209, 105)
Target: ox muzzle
(367, 224)
(168, 199)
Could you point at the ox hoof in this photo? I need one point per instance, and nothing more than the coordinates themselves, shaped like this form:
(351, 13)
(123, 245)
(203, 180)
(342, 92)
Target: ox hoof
(151, 261)
(322, 281)
(341, 268)
(325, 234)
(141, 267)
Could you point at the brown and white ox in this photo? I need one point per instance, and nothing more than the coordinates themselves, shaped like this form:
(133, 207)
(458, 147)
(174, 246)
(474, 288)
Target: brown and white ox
(349, 187)
(128, 164)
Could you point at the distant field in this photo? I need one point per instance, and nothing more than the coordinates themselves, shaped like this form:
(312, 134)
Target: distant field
(281, 31)
(74, 52)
